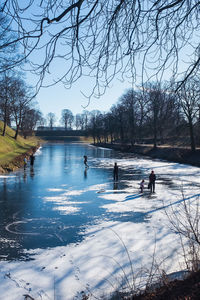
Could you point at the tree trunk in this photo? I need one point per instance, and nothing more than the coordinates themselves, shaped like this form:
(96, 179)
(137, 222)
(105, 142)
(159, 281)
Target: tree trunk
(111, 138)
(155, 135)
(5, 122)
(4, 129)
(192, 140)
(121, 133)
(17, 132)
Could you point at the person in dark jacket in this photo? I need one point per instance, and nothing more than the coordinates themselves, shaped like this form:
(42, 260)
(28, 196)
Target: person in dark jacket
(152, 179)
(142, 186)
(85, 161)
(32, 158)
(115, 172)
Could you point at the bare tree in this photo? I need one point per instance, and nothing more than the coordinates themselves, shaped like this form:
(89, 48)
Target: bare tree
(51, 119)
(86, 115)
(130, 100)
(20, 99)
(30, 119)
(9, 55)
(7, 86)
(78, 119)
(119, 112)
(184, 221)
(111, 126)
(104, 38)
(189, 99)
(155, 96)
(93, 124)
(67, 118)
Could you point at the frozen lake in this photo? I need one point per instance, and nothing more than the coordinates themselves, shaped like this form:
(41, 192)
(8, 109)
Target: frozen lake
(52, 203)
(66, 223)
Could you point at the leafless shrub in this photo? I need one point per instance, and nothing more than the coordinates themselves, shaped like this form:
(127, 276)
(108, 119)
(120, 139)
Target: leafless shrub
(184, 221)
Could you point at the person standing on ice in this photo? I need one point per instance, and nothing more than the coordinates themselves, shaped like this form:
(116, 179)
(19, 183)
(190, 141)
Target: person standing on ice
(142, 186)
(152, 179)
(115, 172)
(32, 158)
(85, 161)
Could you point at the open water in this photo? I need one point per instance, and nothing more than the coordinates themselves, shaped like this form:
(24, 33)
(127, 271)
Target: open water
(51, 204)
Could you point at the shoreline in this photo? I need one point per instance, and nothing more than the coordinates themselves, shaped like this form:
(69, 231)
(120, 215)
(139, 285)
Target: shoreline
(17, 162)
(169, 153)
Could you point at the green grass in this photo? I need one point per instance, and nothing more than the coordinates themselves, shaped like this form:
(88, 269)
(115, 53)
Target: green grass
(11, 148)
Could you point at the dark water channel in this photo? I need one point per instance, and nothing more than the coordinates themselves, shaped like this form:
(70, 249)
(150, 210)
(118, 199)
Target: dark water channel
(29, 217)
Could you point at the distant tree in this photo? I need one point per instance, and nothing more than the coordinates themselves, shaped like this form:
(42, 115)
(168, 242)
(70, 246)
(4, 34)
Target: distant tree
(132, 110)
(67, 118)
(142, 108)
(31, 118)
(42, 121)
(155, 97)
(86, 115)
(93, 124)
(118, 112)
(20, 99)
(7, 89)
(169, 114)
(105, 127)
(80, 121)
(189, 99)
(111, 126)
(51, 119)
(100, 126)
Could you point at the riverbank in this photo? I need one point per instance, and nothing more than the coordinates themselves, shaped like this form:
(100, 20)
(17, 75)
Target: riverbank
(17, 161)
(169, 153)
(12, 152)
(189, 287)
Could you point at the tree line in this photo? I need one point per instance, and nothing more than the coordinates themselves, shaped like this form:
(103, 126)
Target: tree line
(154, 113)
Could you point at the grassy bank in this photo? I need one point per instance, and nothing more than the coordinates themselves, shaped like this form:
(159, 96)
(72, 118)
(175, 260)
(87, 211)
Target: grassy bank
(67, 139)
(12, 151)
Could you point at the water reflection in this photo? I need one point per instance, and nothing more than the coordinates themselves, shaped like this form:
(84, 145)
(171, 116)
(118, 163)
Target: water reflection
(85, 173)
(115, 185)
(25, 175)
(32, 172)
(31, 217)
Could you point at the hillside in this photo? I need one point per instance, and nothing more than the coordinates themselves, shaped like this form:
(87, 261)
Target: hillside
(13, 151)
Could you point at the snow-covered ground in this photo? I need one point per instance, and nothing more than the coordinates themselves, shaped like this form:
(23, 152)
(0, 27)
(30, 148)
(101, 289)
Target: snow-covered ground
(114, 252)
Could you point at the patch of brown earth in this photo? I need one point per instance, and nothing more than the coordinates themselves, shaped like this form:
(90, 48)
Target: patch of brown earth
(188, 289)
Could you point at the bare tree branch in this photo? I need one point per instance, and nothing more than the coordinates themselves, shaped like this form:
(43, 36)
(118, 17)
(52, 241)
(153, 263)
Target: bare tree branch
(104, 39)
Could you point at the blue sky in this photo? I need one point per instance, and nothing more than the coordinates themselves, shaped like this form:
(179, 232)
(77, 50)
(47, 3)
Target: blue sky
(55, 98)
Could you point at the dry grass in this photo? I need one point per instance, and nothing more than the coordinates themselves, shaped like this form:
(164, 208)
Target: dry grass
(86, 139)
(11, 148)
